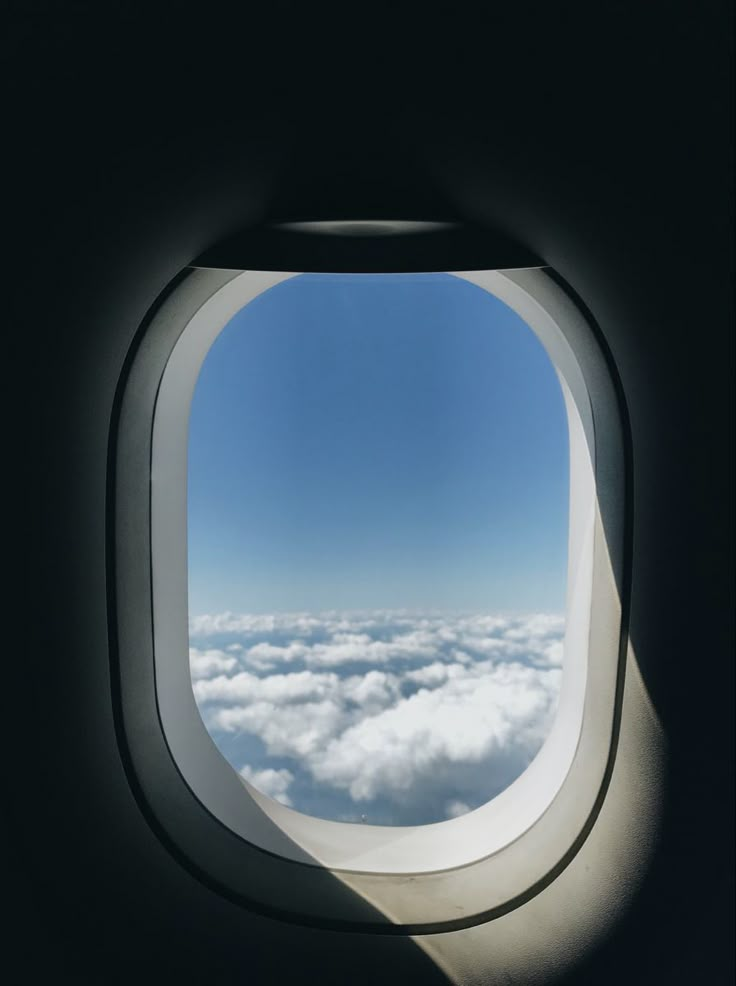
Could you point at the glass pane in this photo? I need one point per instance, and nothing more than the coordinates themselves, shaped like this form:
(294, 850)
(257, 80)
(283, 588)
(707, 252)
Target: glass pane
(378, 521)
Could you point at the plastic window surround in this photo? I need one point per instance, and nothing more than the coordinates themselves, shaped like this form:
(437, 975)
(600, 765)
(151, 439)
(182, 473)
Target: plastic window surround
(488, 858)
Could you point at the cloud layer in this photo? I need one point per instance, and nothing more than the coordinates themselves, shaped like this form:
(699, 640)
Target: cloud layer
(390, 717)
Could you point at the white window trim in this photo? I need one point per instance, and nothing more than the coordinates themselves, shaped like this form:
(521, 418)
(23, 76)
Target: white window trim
(508, 845)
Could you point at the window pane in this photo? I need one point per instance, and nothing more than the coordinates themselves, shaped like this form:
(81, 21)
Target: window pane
(378, 501)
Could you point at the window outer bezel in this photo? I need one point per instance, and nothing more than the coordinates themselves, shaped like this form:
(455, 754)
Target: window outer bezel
(273, 872)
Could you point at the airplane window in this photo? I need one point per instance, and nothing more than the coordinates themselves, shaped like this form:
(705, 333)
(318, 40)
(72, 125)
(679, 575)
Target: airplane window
(385, 516)
(378, 500)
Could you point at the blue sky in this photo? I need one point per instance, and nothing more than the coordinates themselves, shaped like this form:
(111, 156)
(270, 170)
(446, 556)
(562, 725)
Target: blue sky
(377, 441)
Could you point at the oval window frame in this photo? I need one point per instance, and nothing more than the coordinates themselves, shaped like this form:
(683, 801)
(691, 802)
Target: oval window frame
(250, 846)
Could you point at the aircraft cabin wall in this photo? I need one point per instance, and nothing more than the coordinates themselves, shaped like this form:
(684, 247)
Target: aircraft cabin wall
(598, 140)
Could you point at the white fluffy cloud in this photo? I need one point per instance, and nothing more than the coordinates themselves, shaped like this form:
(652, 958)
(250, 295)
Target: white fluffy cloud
(204, 663)
(391, 706)
(455, 808)
(272, 782)
(472, 716)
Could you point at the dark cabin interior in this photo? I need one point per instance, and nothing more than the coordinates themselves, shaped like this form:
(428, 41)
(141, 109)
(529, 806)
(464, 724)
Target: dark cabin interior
(597, 138)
